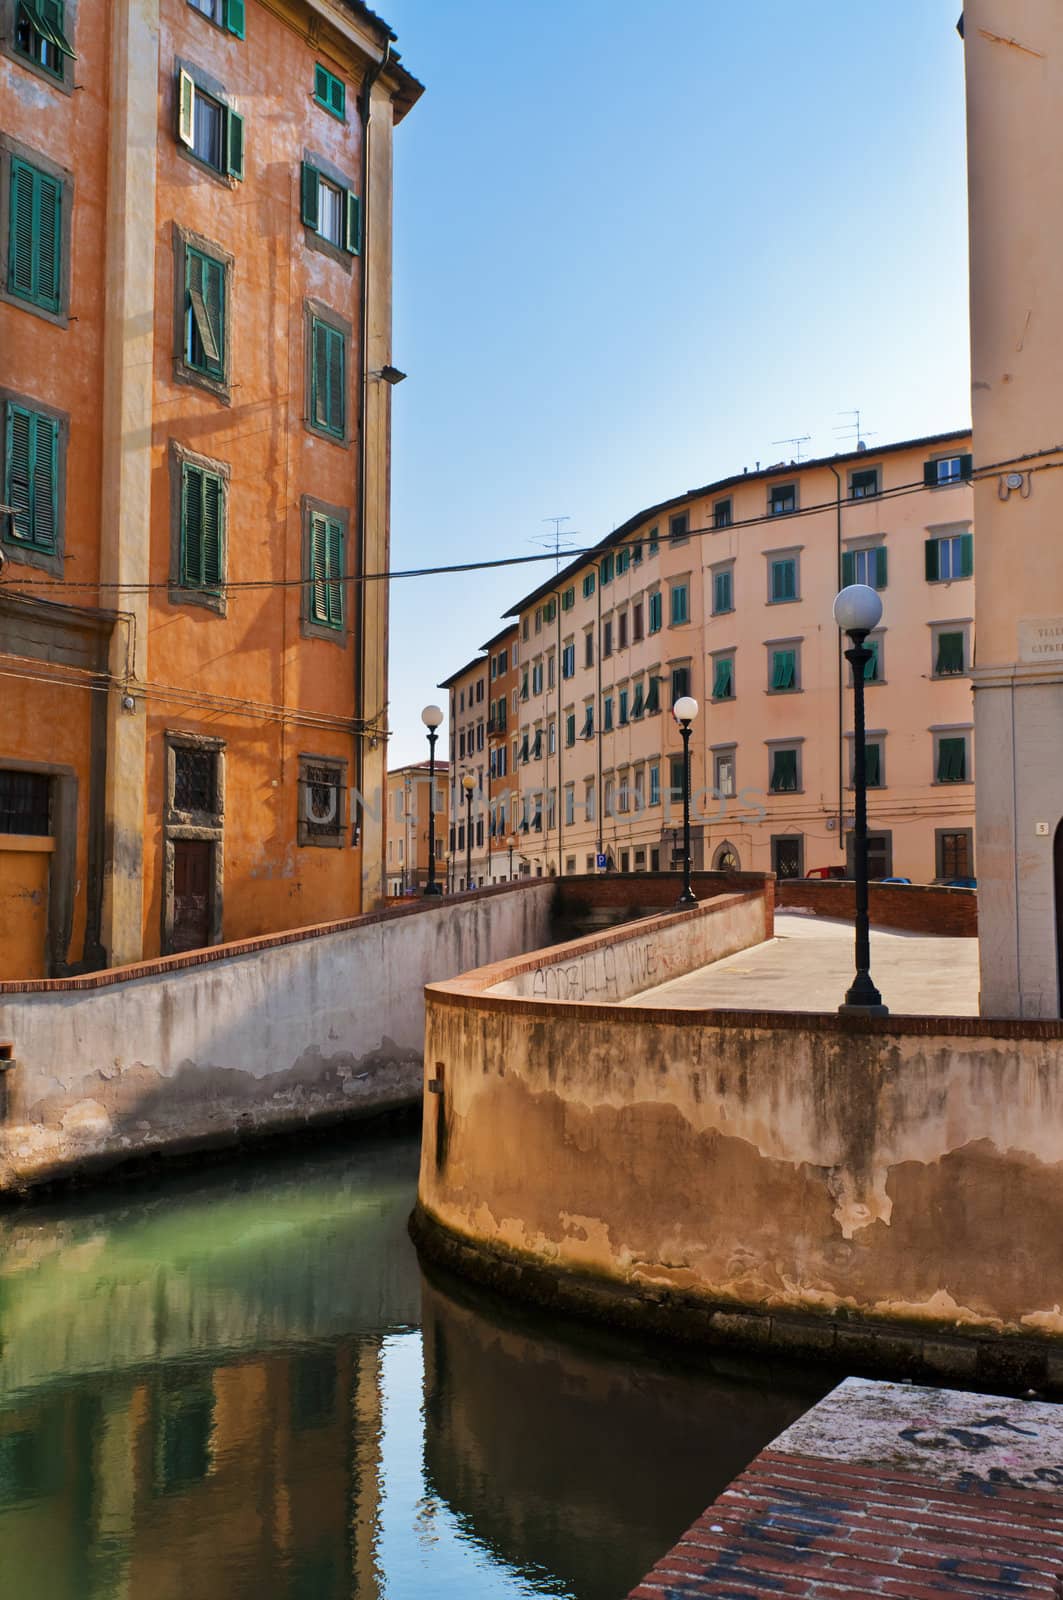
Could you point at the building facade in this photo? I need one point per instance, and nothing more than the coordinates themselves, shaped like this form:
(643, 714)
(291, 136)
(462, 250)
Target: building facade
(725, 593)
(468, 710)
(409, 789)
(196, 688)
(504, 845)
(1014, 70)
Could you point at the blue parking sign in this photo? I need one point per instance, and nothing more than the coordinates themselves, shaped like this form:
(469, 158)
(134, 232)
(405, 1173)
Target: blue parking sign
(603, 861)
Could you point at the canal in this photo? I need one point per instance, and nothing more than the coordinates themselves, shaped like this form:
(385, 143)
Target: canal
(238, 1383)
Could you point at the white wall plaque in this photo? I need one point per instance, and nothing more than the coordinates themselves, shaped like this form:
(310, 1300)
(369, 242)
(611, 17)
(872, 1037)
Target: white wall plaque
(1041, 639)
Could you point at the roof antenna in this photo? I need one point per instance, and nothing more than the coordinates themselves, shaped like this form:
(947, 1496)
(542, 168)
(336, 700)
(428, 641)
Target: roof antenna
(558, 544)
(853, 431)
(799, 440)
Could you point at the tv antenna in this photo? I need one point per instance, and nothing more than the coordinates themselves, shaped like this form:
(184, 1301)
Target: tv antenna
(558, 543)
(854, 431)
(799, 440)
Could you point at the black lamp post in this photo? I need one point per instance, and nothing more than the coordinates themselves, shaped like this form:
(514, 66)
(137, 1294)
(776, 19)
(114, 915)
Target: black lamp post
(509, 845)
(684, 711)
(856, 611)
(468, 783)
(431, 716)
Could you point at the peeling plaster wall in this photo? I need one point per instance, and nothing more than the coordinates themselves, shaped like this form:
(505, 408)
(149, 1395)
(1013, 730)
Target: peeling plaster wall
(908, 1170)
(200, 1051)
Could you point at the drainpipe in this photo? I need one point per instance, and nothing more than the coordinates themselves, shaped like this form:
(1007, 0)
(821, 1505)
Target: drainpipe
(598, 707)
(365, 107)
(841, 669)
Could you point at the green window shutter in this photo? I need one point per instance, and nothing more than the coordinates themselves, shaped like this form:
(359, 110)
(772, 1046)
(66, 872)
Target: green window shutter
(949, 654)
(311, 181)
(966, 555)
(338, 97)
(334, 536)
(45, 482)
(353, 222)
(234, 143)
(623, 706)
(234, 17)
(783, 771)
(321, 83)
(18, 490)
(933, 560)
(639, 700)
(873, 765)
(47, 16)
(952, 761)
(337, 372)
(784, 669)
(721, 683)
(871, 669)
(213, 530)
(930, 474)
(570, 729)
(35, 236)
(186, 110)
(881, 567)
(848, 568)
(318, 569)
(966, 467)
(328, 380)
(49, 241)
(653, 696)
(205, 285)
(20, 270)
(192, 527)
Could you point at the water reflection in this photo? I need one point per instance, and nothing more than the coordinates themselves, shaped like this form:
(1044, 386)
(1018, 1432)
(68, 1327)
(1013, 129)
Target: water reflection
(218, 1387)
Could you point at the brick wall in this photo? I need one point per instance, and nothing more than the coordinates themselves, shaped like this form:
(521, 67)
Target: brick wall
(911, 908)
(649, 891)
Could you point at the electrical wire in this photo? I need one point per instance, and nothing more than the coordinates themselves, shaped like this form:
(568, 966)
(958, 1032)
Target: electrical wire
(253, 585)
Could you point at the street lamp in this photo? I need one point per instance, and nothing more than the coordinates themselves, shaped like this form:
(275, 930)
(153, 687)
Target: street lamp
(432, 716)
(856, 611)
(468, 783)
(510, 844)
(684, 711)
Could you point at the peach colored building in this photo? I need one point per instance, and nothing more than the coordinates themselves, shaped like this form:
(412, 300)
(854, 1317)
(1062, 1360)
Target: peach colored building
(195, 315)
(482, 708)
(1014, 62)
(726, 593)
(409, 788)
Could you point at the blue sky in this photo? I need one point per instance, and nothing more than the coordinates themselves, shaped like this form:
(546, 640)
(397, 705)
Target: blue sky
(637, 244)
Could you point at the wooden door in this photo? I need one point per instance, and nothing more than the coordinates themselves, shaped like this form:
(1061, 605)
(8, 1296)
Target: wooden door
(192, 873)
(24, 912)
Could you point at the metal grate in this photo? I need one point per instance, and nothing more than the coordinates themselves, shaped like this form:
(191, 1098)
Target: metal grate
(323, 805)
(194, 785)
(25, 803)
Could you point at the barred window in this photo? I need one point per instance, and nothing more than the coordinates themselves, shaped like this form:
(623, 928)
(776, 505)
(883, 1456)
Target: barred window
(195, 773)
(25, 803)
(321, 803)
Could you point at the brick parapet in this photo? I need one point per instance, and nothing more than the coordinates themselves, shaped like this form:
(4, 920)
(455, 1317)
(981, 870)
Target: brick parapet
(911, 908)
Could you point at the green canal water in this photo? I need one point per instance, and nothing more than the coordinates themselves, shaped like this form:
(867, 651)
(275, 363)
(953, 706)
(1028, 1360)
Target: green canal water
(238, 1385)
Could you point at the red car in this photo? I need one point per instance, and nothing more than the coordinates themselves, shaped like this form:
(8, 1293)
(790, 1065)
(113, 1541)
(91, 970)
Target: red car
(826, 872)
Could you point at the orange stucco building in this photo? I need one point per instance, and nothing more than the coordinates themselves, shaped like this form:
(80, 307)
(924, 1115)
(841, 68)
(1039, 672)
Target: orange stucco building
(195, 321)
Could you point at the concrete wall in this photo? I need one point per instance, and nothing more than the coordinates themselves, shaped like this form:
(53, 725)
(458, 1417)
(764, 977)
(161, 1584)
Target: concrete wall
(243, 1039)
(746, 1169)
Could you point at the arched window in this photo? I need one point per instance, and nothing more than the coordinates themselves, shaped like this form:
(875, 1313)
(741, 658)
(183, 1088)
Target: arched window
(726, 858)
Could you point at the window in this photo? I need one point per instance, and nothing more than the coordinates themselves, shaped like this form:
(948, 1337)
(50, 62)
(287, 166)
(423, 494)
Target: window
(550, 673)
(209, 128)
(782, 669)
(679, 528)
(551, 739)
(722, 592)
(226, 13)
(327, 409)
(623, 559)
(330, 92)
(537, 745)
(950, 653)
(588, 649)
(653, 695)
(782, 499)
(637, 629)
(621, 630)
(638, 701)
(568, 598)
(636, 553)
(195, 780)
(949, 556)
(330, 210)
(568, 661)
(783, 580)
(538, 619)
(184, 1426)
(653, 542)
(570, 729)
(325, 587)
(863, 484)
(722, 514)
(723, 678)
(951, 762)
(676, 778)
(607, 638)
(622, 708)
(607, 714)
(202, 529)
(39, 35)
(26, 803)
(679, 608)
(723, 771)
(204, 345)
(31, 482)
(655, 783)
(321, 801)
(656, 612)
(588, 585)
(955, 853)
(537, 677)
(570, 817)
(865, 566)
(947, 470)
(36, 237)
(680, 683)
(550, 611)
(874, 765)
(873, 672)
(608, 567)
(784, 776)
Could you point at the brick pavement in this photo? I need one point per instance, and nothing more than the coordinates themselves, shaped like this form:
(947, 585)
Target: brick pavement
(886, 1490)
